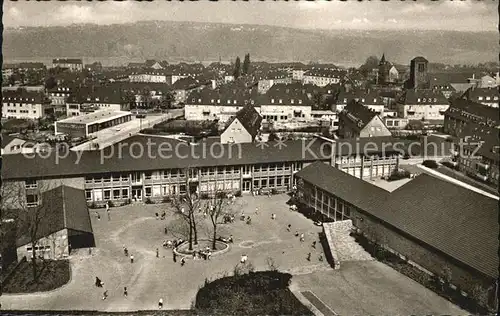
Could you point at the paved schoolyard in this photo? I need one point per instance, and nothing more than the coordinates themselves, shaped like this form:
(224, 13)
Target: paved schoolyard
(150, 278)
(372, 288)
(360, 288)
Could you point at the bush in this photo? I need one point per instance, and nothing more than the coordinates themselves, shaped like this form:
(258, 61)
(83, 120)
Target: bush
(430, 164)
(450, 165)
(274, 191)
(111, 204)
(238, 193)
(204, 196)
(255, 293)
(398, 175)
(149, 201)
(166, 199)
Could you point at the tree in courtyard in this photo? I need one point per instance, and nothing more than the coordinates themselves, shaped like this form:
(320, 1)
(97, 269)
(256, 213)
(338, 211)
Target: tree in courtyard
(480, 295)
(166, 100)
(317, 98)
(237, 68)
(187, 206)
(246, 65)
(273, 137)
(129, 99)
(446, 276)
(216, 209)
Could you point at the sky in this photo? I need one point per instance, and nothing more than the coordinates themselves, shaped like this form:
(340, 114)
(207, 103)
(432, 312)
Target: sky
(466, 15)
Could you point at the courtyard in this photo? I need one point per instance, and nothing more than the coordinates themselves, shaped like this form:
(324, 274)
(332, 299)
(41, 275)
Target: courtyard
(265, 240)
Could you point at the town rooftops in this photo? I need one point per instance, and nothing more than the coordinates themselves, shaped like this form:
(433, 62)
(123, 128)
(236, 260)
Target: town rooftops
(62, 207)
(95, 117)
(455, 221)
(487, 95)
(325, 72)
(67, 61)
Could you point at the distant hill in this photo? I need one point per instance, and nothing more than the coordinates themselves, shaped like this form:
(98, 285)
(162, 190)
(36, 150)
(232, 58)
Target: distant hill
(207, 41)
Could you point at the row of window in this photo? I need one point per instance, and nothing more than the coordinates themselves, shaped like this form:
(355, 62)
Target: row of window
(271, 182)
(487, 98)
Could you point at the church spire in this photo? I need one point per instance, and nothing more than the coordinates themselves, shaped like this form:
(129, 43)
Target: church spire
(382, 60)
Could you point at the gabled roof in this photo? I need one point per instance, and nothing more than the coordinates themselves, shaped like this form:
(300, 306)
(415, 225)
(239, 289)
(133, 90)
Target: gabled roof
(474, 93)
(467, 110)
(358, 114)
(422, 96)
(453, 220)
(185, 84)
(62, 207)
(250, 119)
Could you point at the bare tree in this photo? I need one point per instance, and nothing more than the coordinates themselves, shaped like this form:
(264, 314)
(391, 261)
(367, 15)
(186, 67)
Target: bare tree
(186, 207)
(30, 211)
(216, 209)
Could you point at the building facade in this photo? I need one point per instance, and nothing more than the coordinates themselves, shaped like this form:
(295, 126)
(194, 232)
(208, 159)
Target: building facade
(71, 64)
(23, 104)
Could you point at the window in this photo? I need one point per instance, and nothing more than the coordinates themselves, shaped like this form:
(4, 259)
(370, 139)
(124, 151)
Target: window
(116, 193)
(300, 101)
(147, 191)
(107, 194)
(263, 183)
(255, 184)
(88, 195)
(418, 100)
(488, 98)
(30, 184)
(292, 101)
(279, 181)
(421, 67)
(272, 100)
(480, 98)
(220, 170)
(182, 188)
(271, 182)
(125, 193)
(148, 175)
(32, 199)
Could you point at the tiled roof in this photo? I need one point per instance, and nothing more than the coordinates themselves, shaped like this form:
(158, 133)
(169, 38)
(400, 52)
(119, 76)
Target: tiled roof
(467, 110)
(97, 94)
(357, 114)
(250, 119)
(446, 78)
(62, 207)
(367, 97)
(438, 213)
(24, 96)
(487, 95)
(90, 161)
(422, 96)
(185, 84)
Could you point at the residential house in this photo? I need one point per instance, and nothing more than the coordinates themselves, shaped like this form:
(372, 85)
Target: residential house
(466, 112)
(90, 99)
(71, 64)
(153, 64)
(64, 224)
(23, 104)
(356, 120)
(155, 76)
(58, 97)
(370, 98)
(285, 102)
(487, 96)
(406, 222)
(323, 76)
(12, 144)
(183, 87)
(422, 105)
(243, 128)
(277, 77)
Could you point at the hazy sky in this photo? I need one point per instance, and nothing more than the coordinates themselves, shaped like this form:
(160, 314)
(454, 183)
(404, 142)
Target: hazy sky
(469, 15)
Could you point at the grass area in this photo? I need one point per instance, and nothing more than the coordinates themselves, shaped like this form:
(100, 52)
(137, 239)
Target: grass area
(430, 282)
(254, 293)
(51, 275)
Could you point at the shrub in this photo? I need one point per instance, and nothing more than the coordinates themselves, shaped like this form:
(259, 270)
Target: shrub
(450, 165)
(166, 199)
(274, 191)
(111, 204)
(93, 205)
(430, 164)
(398, 175)
(204, 196)
(149, 201)
(238, 193)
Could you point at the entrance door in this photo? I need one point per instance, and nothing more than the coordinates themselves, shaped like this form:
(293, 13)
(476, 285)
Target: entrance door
(247, 184)
(137, 194)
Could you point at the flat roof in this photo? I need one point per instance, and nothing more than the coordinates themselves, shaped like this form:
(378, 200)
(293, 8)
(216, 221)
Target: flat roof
(95, 117)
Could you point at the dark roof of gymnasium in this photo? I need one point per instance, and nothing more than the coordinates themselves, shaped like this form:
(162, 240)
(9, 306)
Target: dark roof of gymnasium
(62, 207)
(59, 165)
(250, 119)
(343, 185)
(454, 220)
